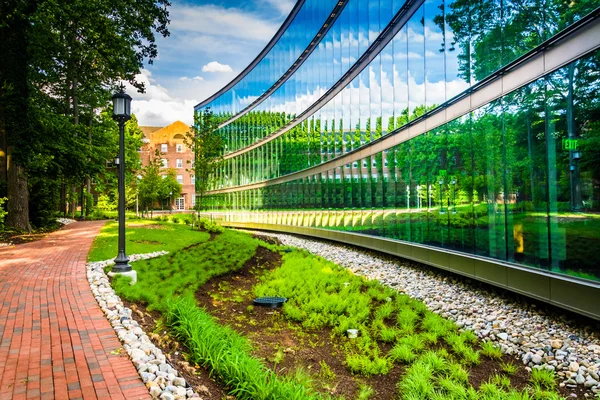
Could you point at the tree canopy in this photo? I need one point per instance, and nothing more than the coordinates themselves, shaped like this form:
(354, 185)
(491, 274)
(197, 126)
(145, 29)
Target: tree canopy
(61, 62)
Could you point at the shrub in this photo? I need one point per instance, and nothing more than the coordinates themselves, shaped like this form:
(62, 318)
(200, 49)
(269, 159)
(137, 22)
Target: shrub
(209, 226)
(3, 213)
(175, 219)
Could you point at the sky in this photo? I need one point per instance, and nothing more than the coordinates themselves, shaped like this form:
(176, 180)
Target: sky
(211, 42)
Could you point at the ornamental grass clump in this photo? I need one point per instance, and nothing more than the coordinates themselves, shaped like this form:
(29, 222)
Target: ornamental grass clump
(227, 355)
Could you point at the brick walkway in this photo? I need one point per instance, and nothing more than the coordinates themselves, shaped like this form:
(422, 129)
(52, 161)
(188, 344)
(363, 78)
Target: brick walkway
(55, 342)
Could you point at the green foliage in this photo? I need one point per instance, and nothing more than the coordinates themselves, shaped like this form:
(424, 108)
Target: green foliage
(543, 378)
(321, 294)
(181, 273)
(227, 354)
(459, 344)
(490, 350)
(365, 392)
(60, 65)
(326, 372)
(3, 212)
(209, 226)
(105, 203)
(207, 146)
(143, 236)
(508, 368)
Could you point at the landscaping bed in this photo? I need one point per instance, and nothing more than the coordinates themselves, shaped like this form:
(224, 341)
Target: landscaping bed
(202, 296)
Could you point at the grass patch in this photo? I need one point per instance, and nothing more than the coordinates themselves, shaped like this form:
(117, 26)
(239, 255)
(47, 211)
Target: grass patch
(490, 350)
(181, 273)
(227, 354)
(144, 236)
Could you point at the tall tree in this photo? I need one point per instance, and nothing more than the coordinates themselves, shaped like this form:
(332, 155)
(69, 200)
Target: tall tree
(66, 56)
(207, 146)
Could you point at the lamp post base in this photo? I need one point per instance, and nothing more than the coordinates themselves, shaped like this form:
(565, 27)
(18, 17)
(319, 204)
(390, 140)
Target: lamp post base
(121, 263)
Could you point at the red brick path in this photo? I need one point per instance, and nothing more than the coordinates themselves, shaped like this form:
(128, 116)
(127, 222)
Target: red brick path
(55, 342)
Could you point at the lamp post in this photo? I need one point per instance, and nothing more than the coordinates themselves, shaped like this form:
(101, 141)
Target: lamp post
(137, 196)
(121, 114)
(170, 203)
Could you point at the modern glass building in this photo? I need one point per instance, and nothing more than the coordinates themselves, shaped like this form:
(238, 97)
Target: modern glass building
(464, 134)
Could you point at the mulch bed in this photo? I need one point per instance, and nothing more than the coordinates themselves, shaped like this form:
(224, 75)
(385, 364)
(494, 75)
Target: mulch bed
(228, 299)
(196, 376)
(285, 346)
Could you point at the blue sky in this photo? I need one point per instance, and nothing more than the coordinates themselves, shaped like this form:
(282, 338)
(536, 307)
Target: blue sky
(210, 43)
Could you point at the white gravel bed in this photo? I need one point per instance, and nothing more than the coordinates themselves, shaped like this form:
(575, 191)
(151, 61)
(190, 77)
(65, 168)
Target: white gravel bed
(65, 221)
(522, 329)
(162, 380)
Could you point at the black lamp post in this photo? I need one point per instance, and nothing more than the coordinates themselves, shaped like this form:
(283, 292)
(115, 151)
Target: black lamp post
(121, 114)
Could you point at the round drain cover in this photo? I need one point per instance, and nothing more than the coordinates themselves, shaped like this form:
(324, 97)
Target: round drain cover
(273, 302)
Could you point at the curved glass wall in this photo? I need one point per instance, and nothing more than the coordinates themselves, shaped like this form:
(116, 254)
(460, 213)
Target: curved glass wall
(446, 48)
(516, 180)
(284, 53)
(358, 25)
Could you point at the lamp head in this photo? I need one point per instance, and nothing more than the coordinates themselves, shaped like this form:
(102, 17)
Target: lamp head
(121, 105)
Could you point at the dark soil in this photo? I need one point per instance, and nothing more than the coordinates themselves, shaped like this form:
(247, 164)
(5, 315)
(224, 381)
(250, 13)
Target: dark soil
(196, 376)
(284, 346)
(147, 241)
(267, 239)
(487, 367)
(146, 226)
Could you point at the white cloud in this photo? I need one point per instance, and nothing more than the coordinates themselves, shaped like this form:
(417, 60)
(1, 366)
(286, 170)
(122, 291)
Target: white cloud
(283, 6)
(220, 21)
(157, 106)
(215, 66)
(196, 78)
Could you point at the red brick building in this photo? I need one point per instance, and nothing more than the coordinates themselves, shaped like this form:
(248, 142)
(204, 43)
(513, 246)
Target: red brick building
(169, 141)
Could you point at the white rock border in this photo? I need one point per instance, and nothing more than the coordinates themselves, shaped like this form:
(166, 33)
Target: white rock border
(518, 328)
(162, 380)
(65, 221)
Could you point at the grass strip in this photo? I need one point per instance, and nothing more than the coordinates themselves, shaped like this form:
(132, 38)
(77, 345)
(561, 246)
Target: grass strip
(183, 272)
(144, 236)
(227, 354)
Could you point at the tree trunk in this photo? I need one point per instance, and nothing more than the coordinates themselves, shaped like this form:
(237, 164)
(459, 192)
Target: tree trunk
(63, 199)
(18, 203)
(14, 48)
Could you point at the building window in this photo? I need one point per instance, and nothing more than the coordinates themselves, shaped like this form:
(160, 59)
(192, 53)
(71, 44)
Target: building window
(179, 148)
(164, 148)
(180, 203)
(179, 163)
(164, 163)
(180, 179)
(193, 179)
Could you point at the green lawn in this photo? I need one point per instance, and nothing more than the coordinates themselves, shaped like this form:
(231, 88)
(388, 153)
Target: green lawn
(144, 236)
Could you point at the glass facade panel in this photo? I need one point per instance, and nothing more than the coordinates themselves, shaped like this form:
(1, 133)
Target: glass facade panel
(515, 180)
